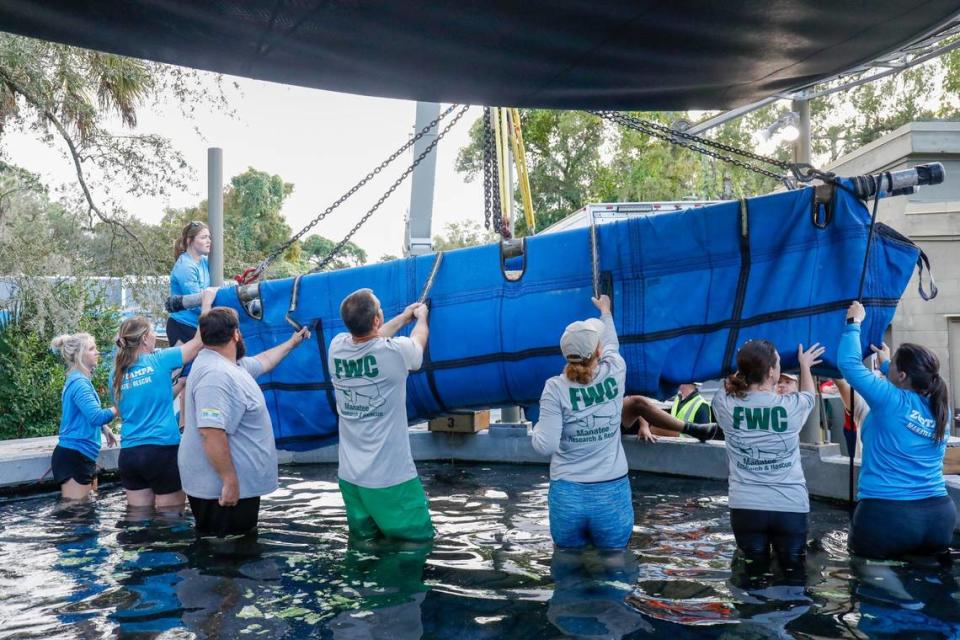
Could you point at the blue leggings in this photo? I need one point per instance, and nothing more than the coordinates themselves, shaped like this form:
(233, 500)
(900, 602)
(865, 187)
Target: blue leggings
(885, 529)
(585, 513)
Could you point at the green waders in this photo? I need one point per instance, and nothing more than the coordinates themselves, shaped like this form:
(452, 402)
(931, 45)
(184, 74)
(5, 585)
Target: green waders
(398, 512)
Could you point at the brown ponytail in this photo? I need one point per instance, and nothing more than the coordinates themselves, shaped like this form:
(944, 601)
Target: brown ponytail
(923, 371)
(581, 371)
(186, 237)
(130, 337)
(754, 361)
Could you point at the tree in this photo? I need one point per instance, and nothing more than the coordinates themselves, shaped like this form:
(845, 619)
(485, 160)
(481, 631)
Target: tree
(315, 248)
(253, 226)
(466, 233)
(575, 158)
(77, 97)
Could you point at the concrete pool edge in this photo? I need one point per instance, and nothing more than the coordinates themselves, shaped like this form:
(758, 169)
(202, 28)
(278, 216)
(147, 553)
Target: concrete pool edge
(25, 464)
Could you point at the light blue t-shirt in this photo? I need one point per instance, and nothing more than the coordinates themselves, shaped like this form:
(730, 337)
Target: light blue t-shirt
(189, 276)
(901, 458)
(81, 416)
(146, 400)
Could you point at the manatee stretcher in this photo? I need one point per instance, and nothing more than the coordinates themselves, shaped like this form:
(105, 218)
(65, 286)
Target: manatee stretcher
(688, 289)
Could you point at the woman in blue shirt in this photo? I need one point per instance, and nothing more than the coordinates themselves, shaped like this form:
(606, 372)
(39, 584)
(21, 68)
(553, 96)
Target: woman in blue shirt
(190, 274)
(903, 506)
(143, 392)
(82, 419)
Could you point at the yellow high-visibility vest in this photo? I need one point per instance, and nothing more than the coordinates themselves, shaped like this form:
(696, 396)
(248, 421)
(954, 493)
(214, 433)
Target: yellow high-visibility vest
(689, 411)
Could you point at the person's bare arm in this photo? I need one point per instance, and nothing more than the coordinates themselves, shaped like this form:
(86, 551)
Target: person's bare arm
(272, 357)
(809, 359)
(389, 329)
(217, 449)
(191, 348)
(421, 330)
(843, 387)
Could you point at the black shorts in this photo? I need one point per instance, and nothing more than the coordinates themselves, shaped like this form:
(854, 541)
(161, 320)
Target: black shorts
(177, 332)
(151, 467)
(214, 520)
(70, 464)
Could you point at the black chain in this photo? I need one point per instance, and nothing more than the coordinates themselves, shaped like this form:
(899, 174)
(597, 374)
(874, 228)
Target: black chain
(492, 211)
(263, 264)
(396, 183)
(703, 145)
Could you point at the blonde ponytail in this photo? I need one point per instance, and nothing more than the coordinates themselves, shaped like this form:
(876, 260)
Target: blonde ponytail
(70, 347)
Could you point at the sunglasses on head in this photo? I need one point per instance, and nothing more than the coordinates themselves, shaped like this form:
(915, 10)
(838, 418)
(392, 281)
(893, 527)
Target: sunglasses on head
(195, 224)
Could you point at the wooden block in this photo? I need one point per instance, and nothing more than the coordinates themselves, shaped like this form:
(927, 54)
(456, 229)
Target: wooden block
(951, 461)
(461, 422)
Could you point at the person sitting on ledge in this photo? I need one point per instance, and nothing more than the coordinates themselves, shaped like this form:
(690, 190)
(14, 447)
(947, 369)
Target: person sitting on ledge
(641, 416)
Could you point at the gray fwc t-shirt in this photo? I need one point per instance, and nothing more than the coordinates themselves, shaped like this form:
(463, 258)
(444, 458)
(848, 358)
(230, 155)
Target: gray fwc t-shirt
(579, 426)
(370, 384)
(224, 395)
(762, 432)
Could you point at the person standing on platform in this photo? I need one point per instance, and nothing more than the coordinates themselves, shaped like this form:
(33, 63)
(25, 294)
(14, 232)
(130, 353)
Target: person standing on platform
(378, 479)
(190, 274)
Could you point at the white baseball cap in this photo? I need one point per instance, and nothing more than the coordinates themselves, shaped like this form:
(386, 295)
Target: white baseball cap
(580, 339)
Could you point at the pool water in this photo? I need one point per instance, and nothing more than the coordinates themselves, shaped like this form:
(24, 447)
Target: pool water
(97, 571)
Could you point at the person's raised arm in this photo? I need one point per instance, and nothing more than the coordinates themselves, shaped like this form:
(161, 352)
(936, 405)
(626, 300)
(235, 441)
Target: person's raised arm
(389, 329)
(421, 330)
(272, 357)
(190, 349)
(609, 340)
(809, 359)
(876, 392)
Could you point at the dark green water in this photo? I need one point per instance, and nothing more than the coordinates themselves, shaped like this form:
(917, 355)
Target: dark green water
(97, 571)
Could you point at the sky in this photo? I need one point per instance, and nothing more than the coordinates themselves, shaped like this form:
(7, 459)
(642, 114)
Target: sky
(321, 142)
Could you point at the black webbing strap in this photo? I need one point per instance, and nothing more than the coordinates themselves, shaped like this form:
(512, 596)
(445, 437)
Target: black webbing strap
(429, 370)
(924, 261)
(729, 363)
(325, 366)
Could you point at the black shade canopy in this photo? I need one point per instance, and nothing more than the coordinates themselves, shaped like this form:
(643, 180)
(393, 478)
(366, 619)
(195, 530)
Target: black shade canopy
(620, 54)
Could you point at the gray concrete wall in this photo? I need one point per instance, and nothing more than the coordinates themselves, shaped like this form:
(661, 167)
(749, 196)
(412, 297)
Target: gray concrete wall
(24, 462)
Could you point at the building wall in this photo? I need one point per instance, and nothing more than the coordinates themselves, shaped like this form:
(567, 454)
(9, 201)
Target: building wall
(931, 218)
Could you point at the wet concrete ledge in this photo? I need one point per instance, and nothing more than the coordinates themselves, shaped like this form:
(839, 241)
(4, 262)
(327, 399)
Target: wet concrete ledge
(25, 464)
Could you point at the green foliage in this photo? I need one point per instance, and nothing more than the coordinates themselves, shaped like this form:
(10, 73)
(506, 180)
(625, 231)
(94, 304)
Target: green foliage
(466, 233)
(315, 248)
(575, 158)
(68, 96)
(252, 222)
(31, 375)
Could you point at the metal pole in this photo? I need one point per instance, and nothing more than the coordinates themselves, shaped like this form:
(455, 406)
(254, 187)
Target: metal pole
(802, 146)
(215, 213)
(419, 239)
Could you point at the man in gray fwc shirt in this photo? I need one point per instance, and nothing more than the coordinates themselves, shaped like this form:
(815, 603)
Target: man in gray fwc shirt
(227, 456)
